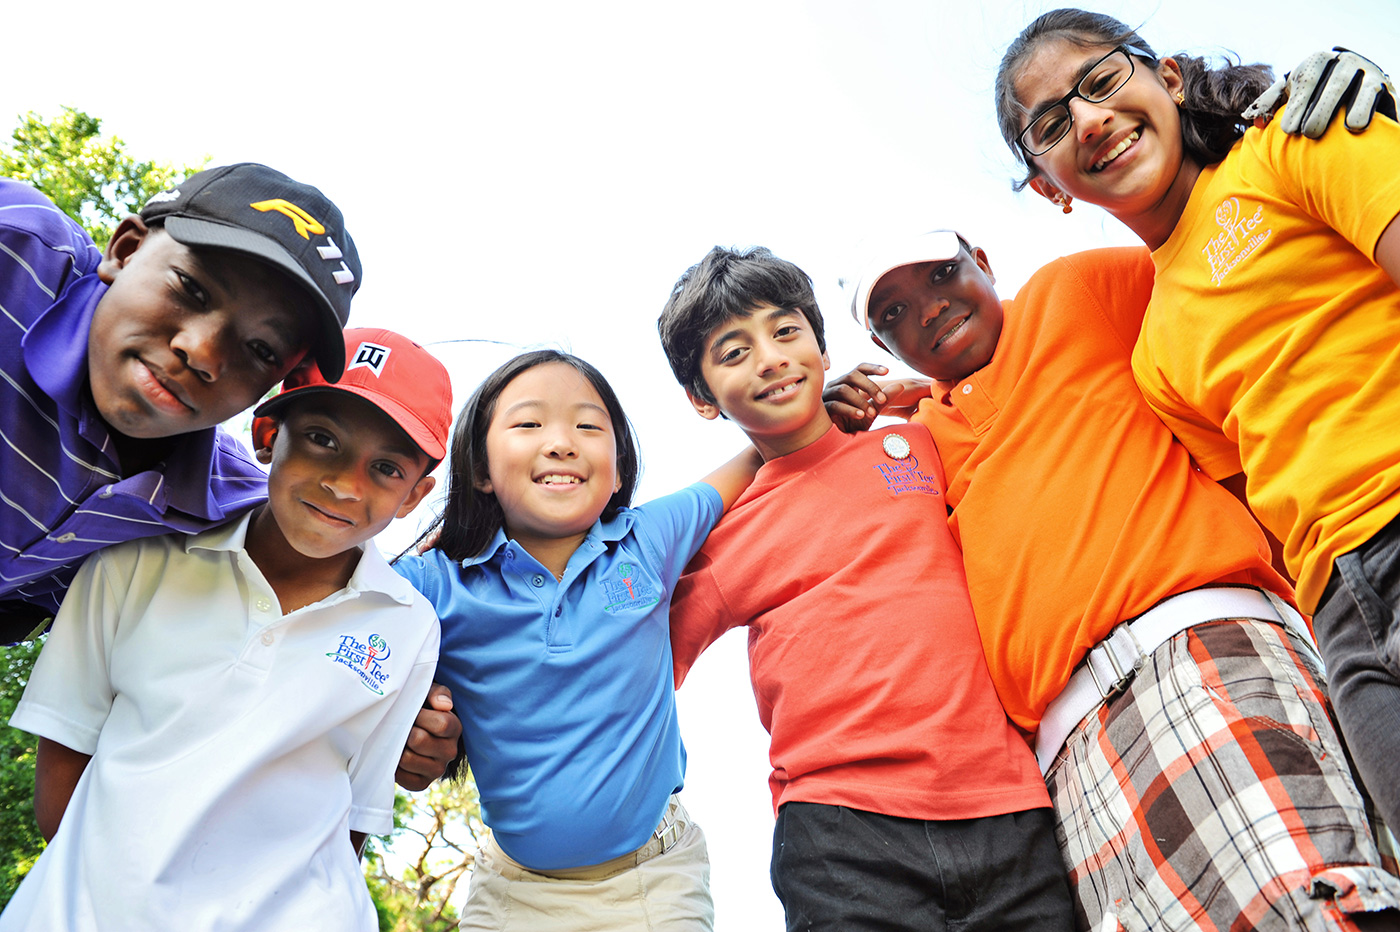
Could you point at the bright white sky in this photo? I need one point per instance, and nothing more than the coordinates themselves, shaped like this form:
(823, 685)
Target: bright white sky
(542, 172)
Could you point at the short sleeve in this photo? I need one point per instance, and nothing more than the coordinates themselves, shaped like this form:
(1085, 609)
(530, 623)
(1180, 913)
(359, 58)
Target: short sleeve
(70, 693)
(1217, 454)
(373, 766)
(676, 525)
(699, 615)
(1346, 180)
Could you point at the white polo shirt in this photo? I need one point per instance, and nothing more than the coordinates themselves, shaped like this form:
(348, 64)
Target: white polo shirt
(233, 748)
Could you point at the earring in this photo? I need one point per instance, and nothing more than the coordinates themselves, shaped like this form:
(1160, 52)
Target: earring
(1062, 201)
(1180, 98)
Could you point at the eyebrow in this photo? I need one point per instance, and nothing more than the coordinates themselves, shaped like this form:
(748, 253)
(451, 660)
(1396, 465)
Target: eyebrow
(533, 402)
(400, 444)
(775, 314)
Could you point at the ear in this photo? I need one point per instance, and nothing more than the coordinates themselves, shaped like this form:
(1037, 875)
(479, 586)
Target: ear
(1169, 73)
(983, 263)
(126, 239)
(1040, 185)
(483, 485)
(264, 433)
(420, 491)
(826, 363)
(706, 409)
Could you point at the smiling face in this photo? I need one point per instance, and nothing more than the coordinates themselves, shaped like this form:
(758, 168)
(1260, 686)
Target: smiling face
(1124, 154)
(184, 340)
(766, 372)
(341, 470)
(941, 318)
(551, 455)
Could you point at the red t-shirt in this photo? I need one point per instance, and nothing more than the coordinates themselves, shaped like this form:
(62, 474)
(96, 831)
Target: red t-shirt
(864, 655)
(1075, 507)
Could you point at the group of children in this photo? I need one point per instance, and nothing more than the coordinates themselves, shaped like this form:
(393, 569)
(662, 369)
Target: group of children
(1034, 585)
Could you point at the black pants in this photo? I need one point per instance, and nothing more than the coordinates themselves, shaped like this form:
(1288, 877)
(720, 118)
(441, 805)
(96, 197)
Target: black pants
(843, 869)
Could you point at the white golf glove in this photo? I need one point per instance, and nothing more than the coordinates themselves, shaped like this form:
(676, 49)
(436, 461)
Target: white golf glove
(1323, 84)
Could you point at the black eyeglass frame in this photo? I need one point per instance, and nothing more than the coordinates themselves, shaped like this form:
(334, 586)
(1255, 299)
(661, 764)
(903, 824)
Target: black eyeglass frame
(1129, 52)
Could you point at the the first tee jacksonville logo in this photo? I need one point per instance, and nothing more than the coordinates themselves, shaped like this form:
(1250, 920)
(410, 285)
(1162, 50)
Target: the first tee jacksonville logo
(365, 658)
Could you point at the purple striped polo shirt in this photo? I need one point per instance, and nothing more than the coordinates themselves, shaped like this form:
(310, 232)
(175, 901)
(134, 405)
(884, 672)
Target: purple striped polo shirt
(62, 492)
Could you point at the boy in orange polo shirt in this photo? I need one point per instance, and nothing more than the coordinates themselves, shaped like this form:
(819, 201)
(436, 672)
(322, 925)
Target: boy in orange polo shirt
(1209, 787)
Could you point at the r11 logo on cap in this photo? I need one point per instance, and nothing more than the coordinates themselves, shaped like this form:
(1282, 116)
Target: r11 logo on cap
(369, 356)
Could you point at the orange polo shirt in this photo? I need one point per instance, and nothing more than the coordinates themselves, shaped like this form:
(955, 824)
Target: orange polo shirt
(1075, 507)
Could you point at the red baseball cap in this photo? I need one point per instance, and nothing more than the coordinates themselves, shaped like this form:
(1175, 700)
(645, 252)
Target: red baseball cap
(391, 372)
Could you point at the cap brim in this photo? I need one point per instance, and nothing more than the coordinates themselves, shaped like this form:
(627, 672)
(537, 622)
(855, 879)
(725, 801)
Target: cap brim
(406, 418)
(935, 246)
(328, 345)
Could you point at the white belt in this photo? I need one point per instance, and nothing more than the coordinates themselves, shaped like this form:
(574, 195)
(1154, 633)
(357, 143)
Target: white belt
(1111, 665)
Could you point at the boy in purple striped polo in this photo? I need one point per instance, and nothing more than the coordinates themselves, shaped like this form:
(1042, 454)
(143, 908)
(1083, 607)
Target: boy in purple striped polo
(117, 367)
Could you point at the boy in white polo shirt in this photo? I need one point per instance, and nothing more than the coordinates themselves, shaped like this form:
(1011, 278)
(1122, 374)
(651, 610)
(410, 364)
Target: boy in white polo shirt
(220, 715)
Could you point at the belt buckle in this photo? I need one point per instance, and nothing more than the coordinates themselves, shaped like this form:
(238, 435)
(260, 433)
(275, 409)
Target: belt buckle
(668, 833)
(1122, 675)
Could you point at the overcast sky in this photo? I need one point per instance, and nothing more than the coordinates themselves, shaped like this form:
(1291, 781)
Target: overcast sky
(542, 172)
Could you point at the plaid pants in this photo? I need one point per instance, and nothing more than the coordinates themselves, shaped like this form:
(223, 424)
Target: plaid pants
(1214, 794)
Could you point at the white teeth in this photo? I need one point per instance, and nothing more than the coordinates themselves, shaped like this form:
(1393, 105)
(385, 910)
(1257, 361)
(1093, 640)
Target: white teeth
(559, 480)
(957, 328)
(1117, 150)
(778, 392)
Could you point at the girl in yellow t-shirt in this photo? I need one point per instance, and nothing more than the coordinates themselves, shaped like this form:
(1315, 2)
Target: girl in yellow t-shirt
(1272, 343)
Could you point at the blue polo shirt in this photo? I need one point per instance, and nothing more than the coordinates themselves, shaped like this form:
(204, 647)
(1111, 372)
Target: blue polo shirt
(565, 689)
(62, 492)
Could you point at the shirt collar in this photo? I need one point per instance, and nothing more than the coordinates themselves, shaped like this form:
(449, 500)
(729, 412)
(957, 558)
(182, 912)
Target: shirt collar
(601, 533)
(372, 574)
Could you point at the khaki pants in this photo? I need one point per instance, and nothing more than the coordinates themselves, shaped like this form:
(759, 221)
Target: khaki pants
(663, 885)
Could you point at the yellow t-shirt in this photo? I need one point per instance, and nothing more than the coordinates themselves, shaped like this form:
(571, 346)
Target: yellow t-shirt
(1272, 342)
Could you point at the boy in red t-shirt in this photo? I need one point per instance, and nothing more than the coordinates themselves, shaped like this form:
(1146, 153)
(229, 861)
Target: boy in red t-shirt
(1209, 787)
(905, 799)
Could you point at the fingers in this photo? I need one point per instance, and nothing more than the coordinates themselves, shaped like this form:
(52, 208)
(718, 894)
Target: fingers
(440, 698)
(854, 399)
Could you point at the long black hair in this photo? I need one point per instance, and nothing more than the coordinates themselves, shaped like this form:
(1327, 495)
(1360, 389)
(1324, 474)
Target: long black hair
(1215, 96)
(470, 517)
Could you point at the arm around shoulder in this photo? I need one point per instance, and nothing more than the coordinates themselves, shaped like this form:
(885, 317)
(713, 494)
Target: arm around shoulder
(731, 479)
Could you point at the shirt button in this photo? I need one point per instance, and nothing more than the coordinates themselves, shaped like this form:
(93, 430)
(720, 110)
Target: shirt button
(106, 492)
(267, 637)
(510, 554)
(537, 580)
(967, 389)
(66, 538)
(264, 605)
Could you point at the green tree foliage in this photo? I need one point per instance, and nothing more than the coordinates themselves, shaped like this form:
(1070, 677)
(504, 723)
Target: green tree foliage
(413, 879)
(92, 179)
(20, 841)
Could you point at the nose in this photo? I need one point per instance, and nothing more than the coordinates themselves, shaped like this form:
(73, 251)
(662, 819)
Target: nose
(559, 443)
(201, 344)
(770, 355)
(933, 309)
(345, 484)
(1089, 118)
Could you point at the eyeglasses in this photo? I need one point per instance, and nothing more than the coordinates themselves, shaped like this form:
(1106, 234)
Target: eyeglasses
(1103, 79)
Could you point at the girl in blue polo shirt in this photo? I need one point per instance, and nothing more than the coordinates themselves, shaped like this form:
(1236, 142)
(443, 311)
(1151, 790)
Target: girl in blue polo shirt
(554, 597)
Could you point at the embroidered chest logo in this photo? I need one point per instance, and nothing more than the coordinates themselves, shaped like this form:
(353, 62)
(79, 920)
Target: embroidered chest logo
(625, 589)
(365, 658)
(904, 476)
(1240, 235)
(371, 356)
